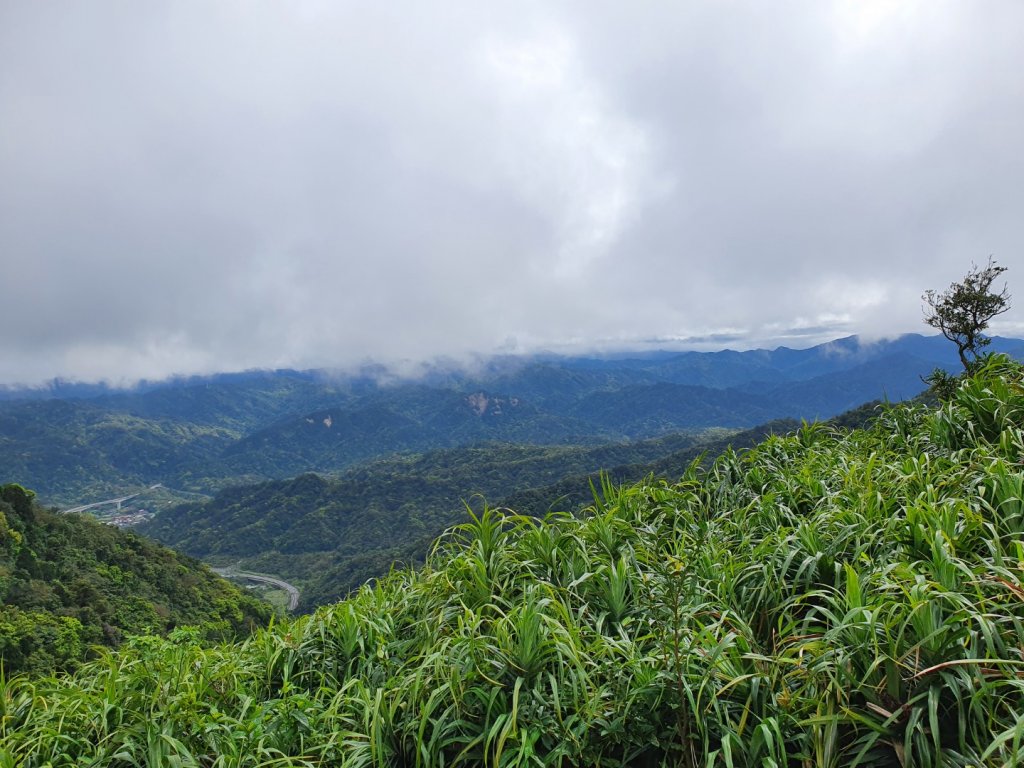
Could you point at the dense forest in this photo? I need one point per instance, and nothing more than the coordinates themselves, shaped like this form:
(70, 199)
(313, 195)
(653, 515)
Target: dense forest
(329, 536)
(77, 444)
(68, 583)
(831, 597)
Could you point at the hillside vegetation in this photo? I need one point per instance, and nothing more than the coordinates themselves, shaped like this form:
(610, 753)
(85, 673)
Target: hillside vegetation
(76, 444)
(829, 598)
(329, 536)
(68, 582)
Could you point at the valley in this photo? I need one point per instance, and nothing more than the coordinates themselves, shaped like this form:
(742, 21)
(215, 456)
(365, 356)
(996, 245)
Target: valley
(326, 480)
(203, 434)
(511, 385)
(815, 585)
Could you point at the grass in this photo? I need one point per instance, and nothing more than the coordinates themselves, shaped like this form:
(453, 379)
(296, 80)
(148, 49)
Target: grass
(825, 599)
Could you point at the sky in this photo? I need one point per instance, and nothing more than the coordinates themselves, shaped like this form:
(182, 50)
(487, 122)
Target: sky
(196, 186)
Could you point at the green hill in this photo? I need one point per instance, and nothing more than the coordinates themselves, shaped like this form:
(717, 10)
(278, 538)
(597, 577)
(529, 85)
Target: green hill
(78, 444)
(68, 582)
(828, 598)
(331, 535)
(572, 492)
(74, 450)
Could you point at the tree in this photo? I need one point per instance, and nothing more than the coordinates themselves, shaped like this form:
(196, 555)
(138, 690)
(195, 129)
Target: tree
(964, 310)
(20, 500)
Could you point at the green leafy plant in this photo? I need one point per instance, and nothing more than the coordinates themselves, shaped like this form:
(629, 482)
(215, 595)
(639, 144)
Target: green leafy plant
(830, 597)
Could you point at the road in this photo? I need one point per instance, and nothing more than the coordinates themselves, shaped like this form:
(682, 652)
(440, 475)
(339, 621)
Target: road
(101, 503)
(118, 501)
(291, 589)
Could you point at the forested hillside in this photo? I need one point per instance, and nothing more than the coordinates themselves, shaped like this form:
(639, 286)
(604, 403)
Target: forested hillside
(331, 535)
(572, 493)
(68, 582)
(80, 444)
(829, 598)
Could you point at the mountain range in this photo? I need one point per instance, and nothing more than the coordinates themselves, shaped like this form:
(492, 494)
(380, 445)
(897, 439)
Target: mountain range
(829, 597)
(76, 444)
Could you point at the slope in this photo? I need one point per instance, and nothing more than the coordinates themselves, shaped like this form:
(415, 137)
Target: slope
(68, 582)
(570, 492)
(309, 528)
(827, 598)
(203, 434)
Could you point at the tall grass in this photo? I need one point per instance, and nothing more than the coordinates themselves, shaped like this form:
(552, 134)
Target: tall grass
(826, 599)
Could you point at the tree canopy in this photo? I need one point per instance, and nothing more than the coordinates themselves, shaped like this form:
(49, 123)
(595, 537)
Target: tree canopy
(68, 583)
(963, 311)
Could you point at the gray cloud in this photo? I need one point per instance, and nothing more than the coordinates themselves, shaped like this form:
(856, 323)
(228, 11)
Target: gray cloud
(188, 187)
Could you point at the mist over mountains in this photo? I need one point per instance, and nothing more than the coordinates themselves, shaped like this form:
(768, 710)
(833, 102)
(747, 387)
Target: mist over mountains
(330, 481)
(75, 443)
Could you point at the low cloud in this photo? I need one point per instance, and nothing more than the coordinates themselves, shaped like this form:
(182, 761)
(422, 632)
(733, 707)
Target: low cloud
(195, 187)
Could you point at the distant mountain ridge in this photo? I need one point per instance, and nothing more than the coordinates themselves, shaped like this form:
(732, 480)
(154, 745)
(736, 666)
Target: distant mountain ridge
(204, 433)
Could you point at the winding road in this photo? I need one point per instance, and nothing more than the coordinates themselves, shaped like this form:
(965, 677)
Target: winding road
(291, 589)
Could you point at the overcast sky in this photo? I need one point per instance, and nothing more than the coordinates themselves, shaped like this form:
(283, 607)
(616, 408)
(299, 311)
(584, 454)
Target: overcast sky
(198, 186)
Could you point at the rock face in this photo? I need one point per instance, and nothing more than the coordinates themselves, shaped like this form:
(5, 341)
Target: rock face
(485, 405)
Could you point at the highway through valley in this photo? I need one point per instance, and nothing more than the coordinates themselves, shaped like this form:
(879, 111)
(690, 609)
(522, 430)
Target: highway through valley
(291, 589)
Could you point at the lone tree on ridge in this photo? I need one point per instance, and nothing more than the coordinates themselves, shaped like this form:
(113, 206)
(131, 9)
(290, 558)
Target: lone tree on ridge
(964, 310)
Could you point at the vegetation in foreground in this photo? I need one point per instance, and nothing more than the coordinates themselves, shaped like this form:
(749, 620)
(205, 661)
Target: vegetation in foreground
(330, 535)
(68, 582)
(829, 598)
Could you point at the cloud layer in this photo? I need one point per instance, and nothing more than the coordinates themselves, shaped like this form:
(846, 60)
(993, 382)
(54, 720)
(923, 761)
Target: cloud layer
(188, 187)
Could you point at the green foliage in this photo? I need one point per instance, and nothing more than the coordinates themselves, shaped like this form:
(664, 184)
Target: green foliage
(964, 310)
(19, 500)
(942, 384)
(68, 582)
(331, 535)
(205, 435)
(828, 598)
(39, 641)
